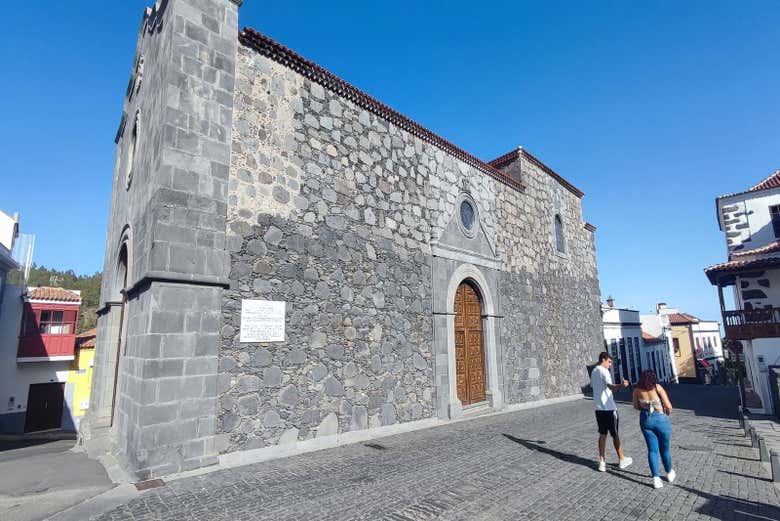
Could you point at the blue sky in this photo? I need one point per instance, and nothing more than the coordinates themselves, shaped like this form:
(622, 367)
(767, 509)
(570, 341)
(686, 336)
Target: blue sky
(651, 108)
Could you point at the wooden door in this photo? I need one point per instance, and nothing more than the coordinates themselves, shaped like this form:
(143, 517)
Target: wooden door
(469, 351)
(44, 407)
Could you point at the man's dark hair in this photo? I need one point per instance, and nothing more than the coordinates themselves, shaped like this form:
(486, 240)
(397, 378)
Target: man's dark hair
(604, 356)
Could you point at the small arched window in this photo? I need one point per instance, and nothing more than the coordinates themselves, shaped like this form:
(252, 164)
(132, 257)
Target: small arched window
(131, 149)
(559, 243)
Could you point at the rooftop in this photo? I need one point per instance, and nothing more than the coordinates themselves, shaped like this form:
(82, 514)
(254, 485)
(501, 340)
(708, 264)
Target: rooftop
(680, 319)
(53, 294)
(772, 181)
(86, 339)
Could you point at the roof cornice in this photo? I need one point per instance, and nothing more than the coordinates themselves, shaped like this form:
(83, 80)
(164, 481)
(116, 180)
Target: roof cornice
(522, 153)
(279, 53)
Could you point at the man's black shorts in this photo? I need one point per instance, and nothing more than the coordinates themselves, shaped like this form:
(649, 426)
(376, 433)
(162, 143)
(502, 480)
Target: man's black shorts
(608, 422)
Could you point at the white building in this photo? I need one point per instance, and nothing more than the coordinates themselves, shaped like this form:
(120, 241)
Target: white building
(709, 347)
(623, 340)
(750, 221)
(657, 336)
(9, 230)
(37, 350)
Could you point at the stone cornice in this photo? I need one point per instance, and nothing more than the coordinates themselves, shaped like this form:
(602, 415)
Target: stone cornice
(521, 153)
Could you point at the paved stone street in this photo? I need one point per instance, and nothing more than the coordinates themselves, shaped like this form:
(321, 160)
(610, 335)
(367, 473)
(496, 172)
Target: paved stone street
(40, 476)
(534, 464)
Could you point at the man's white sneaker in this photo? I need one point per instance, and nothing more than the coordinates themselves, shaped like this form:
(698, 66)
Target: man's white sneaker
(602, 466)
(657, 483)
(625, 462)
(671, 476)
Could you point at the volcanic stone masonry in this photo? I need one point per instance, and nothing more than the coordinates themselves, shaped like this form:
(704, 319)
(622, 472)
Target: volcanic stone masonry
(244, 171)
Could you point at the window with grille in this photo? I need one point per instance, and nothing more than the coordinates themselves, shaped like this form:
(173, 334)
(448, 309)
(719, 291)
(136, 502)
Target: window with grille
(774, 212)
(50, 322)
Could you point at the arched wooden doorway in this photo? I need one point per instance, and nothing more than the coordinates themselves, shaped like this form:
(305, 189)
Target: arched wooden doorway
(469, 346)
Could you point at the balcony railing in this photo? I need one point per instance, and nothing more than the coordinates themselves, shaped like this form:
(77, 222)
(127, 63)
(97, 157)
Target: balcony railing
(47, 346)
(749, 324)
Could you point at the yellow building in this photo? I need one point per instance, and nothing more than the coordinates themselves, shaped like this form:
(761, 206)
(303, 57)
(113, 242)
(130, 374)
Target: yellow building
(682, 339)
(80, 376)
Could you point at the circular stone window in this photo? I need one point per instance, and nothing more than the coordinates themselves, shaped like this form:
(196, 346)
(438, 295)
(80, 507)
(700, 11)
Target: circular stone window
(467, 215)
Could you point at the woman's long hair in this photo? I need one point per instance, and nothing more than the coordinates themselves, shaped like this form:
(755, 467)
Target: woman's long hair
(646, 381)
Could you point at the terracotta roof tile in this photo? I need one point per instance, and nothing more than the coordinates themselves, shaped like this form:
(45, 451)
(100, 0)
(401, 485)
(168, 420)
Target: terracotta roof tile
(289, 58)
(773, 181)
(86, 339)
(47, 293)
(647, 337)
(738, 265)
(679, 319)
(772, 247)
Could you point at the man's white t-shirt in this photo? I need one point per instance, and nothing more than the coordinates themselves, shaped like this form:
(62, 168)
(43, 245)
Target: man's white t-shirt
(600, 379)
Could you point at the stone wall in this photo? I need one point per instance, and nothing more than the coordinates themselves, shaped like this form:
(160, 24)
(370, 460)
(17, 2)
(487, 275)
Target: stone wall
(168, 208)
(334, 210)
(553, 296)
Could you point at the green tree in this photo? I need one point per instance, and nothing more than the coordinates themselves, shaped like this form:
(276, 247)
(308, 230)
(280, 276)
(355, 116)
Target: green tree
(89, 285)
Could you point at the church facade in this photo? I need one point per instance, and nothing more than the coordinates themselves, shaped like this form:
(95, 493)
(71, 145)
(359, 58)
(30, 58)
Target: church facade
(417, 283)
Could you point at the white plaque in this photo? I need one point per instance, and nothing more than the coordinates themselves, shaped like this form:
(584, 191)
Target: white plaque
(262, 321)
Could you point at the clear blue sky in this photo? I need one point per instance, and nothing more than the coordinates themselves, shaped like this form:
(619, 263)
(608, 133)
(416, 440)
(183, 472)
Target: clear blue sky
(651, 108)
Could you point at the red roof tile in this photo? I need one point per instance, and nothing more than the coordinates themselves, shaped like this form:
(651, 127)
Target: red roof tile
(86, 339)
(289, 58)
(510, 157)
(773, 181)
(769, 248)
(58, 294)
(680, 319)
(739, 265)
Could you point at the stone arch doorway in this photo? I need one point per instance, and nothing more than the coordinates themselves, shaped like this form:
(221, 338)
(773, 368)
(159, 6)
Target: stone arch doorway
(469, 345)
(118, 337)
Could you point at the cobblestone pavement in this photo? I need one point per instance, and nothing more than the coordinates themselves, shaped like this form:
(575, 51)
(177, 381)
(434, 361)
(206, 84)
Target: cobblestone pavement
(533, 464)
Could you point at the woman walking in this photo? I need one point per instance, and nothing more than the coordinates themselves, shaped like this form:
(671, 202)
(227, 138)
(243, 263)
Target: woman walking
(651, 399)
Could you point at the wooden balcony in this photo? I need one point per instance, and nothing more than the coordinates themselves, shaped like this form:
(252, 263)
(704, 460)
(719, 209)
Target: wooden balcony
(756, 323)
(42, 347)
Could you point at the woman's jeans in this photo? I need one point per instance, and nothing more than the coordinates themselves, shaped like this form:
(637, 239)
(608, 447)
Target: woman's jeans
(658, 433)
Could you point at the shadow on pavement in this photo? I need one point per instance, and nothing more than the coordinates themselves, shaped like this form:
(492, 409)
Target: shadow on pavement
(569, 458)
(722, 403)
(22, 443)
(743, 475)
(728, 508)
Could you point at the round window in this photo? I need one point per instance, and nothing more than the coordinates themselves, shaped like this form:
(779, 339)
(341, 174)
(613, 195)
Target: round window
(467, 215)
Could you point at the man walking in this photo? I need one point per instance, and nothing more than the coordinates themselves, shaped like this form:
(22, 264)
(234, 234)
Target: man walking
(606, 411)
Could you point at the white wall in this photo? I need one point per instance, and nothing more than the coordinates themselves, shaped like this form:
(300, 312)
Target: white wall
(658, 326)
(707, 335)
(752, 209)
(624, 324)
(760, 354)
(7, 231)
(15, 378)
(771, 277)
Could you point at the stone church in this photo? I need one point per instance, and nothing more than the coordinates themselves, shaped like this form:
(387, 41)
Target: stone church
(417, 283)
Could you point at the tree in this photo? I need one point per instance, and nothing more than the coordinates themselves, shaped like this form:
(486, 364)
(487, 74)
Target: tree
(89, 285)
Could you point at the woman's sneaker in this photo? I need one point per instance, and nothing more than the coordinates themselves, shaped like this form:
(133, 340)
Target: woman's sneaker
(625, 462)
(657, 483)
(671, 476)
(602, 466)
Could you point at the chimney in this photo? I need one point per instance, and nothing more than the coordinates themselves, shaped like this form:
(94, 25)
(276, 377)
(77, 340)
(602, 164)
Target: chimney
(610, 301)
(660, 307)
